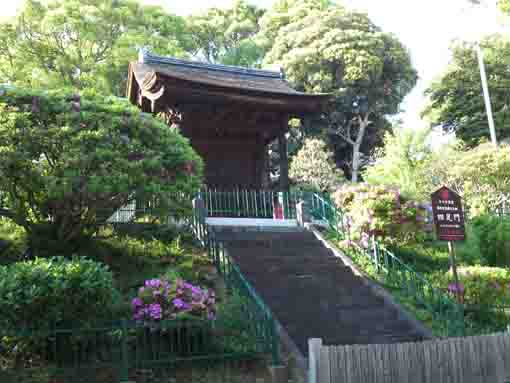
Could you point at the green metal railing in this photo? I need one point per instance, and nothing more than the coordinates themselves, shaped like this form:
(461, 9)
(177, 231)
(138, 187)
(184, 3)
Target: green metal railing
(249, 203)
(259, 316)
(322, 209)
(446, 313)
(118, 351)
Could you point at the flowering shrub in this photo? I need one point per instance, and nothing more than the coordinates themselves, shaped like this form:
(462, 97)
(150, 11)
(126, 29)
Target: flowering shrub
(479, 285)
(161, 300)
(382, 212)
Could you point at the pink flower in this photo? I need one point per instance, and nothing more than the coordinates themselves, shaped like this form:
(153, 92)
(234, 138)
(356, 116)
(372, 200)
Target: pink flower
(454, 288)
(136, 303)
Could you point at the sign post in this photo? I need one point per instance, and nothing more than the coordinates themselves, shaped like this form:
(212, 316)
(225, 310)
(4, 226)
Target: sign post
(449, 222)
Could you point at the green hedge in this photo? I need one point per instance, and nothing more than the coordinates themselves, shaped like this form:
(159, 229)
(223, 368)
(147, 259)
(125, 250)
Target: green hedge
(55, 292)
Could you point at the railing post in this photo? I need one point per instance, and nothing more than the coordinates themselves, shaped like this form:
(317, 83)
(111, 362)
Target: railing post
(375, 250)
(275, 342)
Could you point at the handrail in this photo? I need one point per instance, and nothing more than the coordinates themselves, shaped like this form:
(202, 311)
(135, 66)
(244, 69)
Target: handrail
(442, 308)
(234, 278)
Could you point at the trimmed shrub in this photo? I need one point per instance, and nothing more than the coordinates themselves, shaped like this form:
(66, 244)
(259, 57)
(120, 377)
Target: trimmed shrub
(42, 293)
(77, 159)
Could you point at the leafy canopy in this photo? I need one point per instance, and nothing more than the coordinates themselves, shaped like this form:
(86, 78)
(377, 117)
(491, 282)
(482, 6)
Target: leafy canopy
(403, 162)
(480, 175)
(314, 168)
(226, 35)
(84, 43)
(68, 162)
(456, 100)
(325, 47)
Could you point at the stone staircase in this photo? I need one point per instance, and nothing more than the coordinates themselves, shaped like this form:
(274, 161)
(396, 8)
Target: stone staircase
(312, 293)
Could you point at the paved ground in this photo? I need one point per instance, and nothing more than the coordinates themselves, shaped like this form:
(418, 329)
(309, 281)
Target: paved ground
(313, 293)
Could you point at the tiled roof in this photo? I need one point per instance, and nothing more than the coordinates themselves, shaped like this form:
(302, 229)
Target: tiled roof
(216, 75)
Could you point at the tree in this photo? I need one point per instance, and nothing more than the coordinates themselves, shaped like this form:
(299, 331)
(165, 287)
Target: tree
(324, 47)
(69, 162)
(403, 162)
(84, 43)
(226, 36)
(481, 175)
(314, 167)
(456, 100)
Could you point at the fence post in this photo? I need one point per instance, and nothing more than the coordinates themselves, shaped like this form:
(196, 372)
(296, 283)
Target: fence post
(275, 342)
(314, 351)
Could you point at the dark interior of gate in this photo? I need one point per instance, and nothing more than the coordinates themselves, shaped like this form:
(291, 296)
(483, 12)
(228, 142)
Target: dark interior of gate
(230, 114)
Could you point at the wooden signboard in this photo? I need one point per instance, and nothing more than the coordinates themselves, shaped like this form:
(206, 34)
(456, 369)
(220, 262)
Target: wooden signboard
(448, 215)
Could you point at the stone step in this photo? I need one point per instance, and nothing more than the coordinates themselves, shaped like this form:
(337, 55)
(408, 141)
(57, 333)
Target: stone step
(313, 293)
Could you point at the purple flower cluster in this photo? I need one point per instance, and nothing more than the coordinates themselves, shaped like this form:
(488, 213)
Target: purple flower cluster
(160, 300)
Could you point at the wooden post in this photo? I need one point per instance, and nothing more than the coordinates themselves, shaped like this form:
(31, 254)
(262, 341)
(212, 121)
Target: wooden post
(284, 161)
(314, 350)
(453, 263)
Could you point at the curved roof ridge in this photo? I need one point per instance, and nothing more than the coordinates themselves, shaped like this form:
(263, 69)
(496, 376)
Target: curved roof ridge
(145, 57)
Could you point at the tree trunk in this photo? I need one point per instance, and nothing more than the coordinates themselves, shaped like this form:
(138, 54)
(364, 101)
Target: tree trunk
(356, 147)
(355, 161)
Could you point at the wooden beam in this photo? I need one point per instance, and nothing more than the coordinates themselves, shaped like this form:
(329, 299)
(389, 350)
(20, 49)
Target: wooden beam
(284, 160)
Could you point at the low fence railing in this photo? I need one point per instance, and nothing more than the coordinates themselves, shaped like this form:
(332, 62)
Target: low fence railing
(121, 351)
(447, 314)
(250, 203)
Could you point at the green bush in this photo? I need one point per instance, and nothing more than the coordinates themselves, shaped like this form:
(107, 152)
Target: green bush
(55, 292)
(382, 212)
(492, 235)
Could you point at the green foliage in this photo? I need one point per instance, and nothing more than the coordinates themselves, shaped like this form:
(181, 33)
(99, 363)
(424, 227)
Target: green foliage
(381, 212)
(314, 168)
(239, 334)
(325, 47)
(493, 238)
(68, 162)
(480, 175)
(56, 291)
(12, 241)
(226, 35)
(504, 6)
(84, 44)
(456, 101)
(403, 163)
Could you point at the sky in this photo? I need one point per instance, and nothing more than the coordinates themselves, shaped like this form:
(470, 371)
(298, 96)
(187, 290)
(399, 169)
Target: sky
(426, 27)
